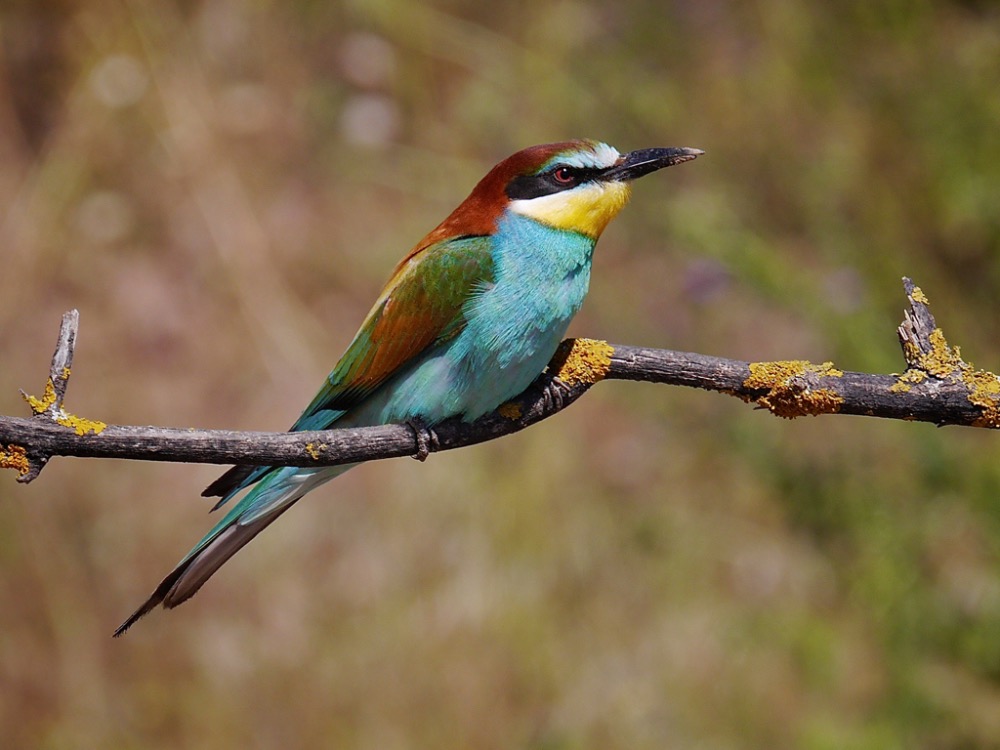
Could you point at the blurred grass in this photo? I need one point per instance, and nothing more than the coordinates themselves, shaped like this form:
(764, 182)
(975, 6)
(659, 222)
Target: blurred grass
(221, 188)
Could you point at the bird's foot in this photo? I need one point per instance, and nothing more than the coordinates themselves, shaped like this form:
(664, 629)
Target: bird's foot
(427, 439)
(552, 395)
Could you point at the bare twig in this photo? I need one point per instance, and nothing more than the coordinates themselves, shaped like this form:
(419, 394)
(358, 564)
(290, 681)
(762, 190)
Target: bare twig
(49, 408)
(937, 386)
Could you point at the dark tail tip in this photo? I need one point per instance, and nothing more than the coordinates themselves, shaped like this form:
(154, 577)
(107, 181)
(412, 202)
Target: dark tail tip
(202, 562)
(145, 609)
(154, 600)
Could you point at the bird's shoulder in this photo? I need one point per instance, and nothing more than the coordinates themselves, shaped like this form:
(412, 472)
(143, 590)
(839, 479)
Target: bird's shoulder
(421, 305)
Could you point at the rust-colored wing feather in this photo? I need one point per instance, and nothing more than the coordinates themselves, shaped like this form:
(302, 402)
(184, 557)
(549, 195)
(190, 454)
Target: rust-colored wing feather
(422, 305)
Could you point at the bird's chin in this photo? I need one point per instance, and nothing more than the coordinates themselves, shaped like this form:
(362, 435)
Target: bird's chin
(587, 210)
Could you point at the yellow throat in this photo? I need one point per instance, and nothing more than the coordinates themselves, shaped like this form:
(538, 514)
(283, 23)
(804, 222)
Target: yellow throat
(586, 209)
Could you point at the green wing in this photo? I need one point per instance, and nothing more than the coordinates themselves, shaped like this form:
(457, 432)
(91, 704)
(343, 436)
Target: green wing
(422, 305)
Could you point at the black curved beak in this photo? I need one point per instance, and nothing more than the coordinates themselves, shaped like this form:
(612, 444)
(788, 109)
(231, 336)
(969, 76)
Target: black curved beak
(635, 164)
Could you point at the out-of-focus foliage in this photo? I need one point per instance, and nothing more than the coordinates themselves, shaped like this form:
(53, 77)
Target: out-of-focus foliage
(221, 186)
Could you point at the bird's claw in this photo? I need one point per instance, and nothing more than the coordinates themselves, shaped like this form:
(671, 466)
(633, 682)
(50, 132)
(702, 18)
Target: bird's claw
(552, 395)
(427, 439)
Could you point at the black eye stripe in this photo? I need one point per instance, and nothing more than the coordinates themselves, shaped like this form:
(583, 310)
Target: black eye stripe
(528, 186)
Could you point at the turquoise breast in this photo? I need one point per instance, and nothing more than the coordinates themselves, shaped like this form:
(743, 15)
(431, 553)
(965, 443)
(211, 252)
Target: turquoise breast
(513, 326)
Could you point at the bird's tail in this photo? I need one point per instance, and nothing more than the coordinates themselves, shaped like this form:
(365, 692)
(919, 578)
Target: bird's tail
(276, 493)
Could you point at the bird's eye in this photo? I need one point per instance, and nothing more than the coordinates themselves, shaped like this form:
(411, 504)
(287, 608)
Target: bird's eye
(563, 175)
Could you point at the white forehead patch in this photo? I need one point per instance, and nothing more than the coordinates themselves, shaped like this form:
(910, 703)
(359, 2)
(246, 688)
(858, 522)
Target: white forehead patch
(599, 156)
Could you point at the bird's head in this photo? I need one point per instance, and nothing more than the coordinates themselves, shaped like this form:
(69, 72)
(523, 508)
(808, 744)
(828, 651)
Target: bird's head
(577, 186)
(582, 185)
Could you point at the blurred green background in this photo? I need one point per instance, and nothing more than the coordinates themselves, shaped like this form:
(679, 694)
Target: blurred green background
(221, 188)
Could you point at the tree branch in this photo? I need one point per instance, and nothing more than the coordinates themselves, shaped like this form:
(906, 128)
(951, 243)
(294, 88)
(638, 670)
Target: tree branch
(937, 386)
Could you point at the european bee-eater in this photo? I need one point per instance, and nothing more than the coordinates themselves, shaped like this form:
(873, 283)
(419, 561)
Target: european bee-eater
(469, 318)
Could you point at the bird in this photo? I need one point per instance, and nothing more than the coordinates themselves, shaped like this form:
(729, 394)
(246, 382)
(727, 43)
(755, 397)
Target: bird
(468, 319)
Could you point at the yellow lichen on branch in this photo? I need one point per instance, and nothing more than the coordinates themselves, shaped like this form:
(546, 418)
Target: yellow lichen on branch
(918, 296)
(314, 451)
(942, 360)
(82, 425)
(787, 395)
(945, 362)
(907, 380)
(15, 457)
(510, 410)
(43, 404)
(582, 361)
(984, 392)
